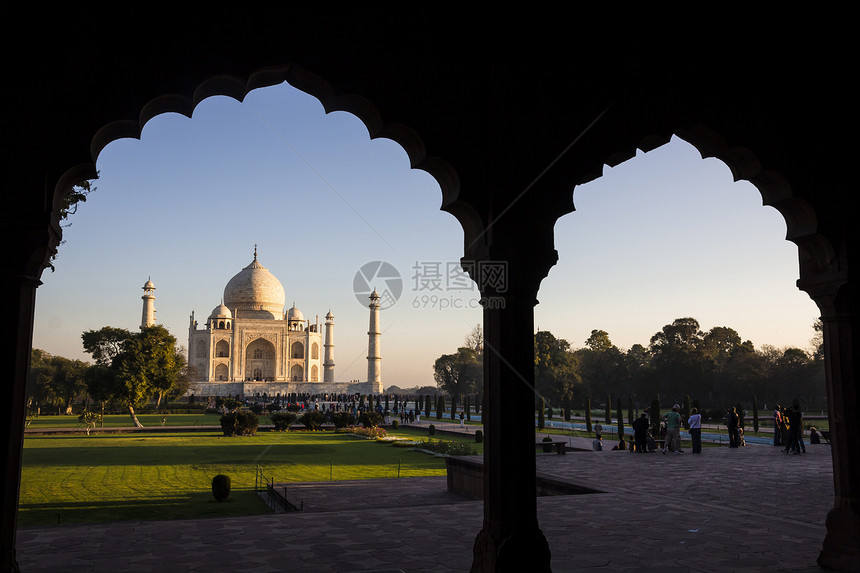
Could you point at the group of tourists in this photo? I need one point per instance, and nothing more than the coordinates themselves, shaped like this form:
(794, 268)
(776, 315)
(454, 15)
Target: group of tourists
(788, 429)
(645, 435)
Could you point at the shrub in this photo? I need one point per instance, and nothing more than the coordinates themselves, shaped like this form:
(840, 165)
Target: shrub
(313, 419)
(90, 420)
(395, 424)
(221, 487)
(370, 419)
(448, 448)
(342, 420)
(714, 414)
(374, 432)
(479, 436)
(547, 447)
(282, 420)
(239, 423)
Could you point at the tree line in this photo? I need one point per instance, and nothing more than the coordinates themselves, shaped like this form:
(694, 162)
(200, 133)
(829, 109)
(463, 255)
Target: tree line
(717, 367)
(130, 369)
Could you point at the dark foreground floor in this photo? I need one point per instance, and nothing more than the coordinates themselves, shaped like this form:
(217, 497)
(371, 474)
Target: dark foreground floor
(748, 509)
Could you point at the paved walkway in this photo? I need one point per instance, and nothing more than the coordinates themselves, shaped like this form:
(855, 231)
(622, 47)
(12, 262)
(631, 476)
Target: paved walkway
(746, 509)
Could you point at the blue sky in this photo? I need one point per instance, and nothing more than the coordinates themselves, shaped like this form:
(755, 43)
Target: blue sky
(662, 236)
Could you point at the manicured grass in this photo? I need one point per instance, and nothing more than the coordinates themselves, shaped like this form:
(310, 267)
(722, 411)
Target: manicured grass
(69, 479)
(124, 420)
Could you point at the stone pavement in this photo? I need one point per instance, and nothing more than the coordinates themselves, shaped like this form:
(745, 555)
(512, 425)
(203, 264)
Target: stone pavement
(747, 509)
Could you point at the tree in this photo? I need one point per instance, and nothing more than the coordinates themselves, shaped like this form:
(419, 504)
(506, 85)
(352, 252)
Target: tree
(556, 375)
(69, 207)
(598, 341)
(475, 339)
(459, 373)
(38, 384)
(55, 379)
(602, 365)
(141, 365)
(588, 414)
(68, 380)
(104, 344)
(677, 357)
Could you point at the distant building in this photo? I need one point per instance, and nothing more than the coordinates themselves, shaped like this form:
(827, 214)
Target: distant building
(249, 345)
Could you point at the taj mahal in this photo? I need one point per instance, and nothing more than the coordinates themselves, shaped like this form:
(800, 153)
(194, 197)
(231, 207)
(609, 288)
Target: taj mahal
(250, 345)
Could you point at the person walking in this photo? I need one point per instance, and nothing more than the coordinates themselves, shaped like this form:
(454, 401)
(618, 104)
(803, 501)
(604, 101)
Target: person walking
(777, 426)
(695, 423)
(640, 432)
(673, 430)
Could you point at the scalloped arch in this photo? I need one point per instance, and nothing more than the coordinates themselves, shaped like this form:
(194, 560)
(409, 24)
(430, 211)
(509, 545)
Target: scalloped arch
(816, 253)
(312, 84)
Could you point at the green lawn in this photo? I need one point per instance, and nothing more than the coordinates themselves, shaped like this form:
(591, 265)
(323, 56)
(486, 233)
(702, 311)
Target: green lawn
(124, 420)
(69, 479)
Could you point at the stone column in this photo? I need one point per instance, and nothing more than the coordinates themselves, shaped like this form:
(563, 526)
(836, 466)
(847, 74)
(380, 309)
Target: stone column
(22, 297)
(841, 322)
(33, 234)
(511, 537)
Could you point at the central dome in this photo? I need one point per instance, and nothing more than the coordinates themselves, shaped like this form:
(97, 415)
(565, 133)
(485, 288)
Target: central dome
(256, 293)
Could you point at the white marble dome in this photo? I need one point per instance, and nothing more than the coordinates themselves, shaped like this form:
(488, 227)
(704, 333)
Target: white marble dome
(255, 293)
(295, 314)
(221, 311)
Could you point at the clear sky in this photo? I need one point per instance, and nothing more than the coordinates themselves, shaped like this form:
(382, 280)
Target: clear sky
(663, 236)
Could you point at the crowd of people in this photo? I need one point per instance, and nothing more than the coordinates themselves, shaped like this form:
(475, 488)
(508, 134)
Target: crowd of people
(788, 429)
(648, 437)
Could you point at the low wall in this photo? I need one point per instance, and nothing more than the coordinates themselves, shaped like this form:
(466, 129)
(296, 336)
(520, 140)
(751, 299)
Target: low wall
(466, 477)
(251, 388)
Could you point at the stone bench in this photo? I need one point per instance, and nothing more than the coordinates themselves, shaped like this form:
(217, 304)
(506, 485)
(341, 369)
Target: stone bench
(559, 445)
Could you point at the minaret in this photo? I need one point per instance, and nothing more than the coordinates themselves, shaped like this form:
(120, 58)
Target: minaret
(374, 360)
(148, 318)
(328, 364)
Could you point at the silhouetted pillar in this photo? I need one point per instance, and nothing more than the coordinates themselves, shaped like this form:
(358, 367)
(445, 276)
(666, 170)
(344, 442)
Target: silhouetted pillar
(841, 323)
(511, 539)
(19, 278)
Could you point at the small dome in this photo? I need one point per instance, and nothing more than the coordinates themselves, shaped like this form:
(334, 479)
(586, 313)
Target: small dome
(295, 314)
(148, 285)
(329, 315)
(221, 311)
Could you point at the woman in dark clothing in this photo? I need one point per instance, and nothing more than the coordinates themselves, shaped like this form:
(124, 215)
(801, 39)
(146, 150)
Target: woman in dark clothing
(734, 437)
(640, 431)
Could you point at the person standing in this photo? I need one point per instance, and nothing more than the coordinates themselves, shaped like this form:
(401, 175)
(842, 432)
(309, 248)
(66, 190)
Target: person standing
(777, 426)
(795, 421)
(640, 431)
(732, 423)
(598, 431)
(673, 430)
(695, 423)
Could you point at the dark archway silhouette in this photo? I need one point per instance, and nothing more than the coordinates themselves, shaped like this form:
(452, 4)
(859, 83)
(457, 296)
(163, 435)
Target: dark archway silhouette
(503, 126)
